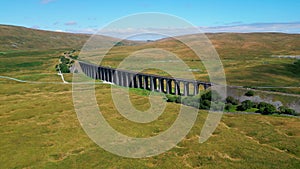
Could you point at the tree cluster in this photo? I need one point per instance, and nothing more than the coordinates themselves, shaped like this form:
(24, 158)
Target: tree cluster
(206, 101)
(64, 65)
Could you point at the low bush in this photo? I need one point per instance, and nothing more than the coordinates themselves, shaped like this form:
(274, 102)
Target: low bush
(217, 106)
(247, 104)
(231, 100)
(266, 108)
(228, 106)
(172, 98)
(286, 110)
(249, 93)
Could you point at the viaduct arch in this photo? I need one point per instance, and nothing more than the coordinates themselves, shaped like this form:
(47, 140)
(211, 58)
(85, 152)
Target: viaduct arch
(150, 82)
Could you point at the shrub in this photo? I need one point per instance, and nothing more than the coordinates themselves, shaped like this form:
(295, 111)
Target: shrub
(191, 101)
(206, 96)
(217, 106)
(199, 101)
(282, 109)
(232, 100)
(291, 112)
(255, 105)
(119, 44)
(171, 98)
(228, 106)
(266, 108)
(296, 67)
(211, 95)
(205, 104)
(249, 93)
(247, 104)
(286, 110)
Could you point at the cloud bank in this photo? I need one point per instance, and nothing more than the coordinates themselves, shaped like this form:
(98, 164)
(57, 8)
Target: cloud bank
(70, 23)
(293, 27)
(237, 27)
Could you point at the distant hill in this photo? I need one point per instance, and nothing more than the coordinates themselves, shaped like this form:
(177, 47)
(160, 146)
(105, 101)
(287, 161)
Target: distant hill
(248, 58)
(255, 44)
(227, 44)
(232, 45)
(21, 38)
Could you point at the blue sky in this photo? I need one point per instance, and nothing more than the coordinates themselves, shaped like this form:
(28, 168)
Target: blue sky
(86, 16)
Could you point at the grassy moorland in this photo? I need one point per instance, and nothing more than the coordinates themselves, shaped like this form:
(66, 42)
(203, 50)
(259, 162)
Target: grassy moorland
(247, 58)
(39, 127)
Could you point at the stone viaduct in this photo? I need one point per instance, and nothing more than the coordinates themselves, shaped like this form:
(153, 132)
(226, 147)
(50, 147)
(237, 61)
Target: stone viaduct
(168, 85)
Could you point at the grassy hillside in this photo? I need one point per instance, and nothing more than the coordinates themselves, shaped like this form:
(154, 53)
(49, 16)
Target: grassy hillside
(248, 59)
(230, 45)
(21, 38)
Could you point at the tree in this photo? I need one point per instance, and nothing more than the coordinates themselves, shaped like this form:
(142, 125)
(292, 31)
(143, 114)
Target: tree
(247, 104)
(249, 93)
(64, 68)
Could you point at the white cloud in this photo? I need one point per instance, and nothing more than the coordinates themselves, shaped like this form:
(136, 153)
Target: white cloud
(85, 30)
(59, 30)
(292, 27)
(70, 23)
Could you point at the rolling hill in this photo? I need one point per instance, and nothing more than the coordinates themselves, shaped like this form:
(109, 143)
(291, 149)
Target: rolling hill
(227, 44)
(21, 38)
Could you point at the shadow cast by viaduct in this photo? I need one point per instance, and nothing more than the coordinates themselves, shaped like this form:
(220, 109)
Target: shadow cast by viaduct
(168, 85)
